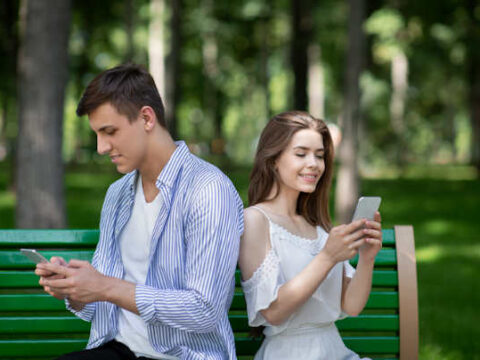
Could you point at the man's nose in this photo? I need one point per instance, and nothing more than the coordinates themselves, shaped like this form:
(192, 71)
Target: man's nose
(103, 147)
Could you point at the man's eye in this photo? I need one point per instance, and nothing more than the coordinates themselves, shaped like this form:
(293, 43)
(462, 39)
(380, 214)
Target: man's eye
(110, 132)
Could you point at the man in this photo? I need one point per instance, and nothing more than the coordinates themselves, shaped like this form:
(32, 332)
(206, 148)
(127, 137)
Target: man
(162, 276)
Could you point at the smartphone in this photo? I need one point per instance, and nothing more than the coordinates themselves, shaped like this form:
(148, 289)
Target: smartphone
(33, 255)
(366, 207)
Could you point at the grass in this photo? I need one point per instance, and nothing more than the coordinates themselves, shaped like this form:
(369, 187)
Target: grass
(441, 204)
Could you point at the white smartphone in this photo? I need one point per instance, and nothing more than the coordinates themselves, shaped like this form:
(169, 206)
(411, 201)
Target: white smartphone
(366, 207)
(33, 255)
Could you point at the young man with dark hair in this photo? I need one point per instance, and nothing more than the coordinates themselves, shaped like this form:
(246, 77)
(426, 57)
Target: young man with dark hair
(162, 277)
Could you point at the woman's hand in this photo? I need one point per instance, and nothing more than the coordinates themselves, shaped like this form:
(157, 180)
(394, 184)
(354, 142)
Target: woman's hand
(373, 238)
(344, 241)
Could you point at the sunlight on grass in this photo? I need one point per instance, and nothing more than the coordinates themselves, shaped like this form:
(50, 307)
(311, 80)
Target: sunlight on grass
(7, 199)
(436, 252)
(435, 352)
(437, 226)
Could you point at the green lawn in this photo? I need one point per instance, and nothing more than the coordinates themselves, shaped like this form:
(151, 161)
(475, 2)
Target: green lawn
(445, 216)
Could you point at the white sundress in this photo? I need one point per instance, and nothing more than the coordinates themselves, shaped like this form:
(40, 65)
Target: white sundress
(310, 332)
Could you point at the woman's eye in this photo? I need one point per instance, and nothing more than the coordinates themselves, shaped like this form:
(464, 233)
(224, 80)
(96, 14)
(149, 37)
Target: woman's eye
(320, 156)
(300, 155)
(111, 132)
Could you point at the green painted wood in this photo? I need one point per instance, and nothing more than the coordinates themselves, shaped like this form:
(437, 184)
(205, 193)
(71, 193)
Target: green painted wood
(377, 300)
(48, 238)
(14, 259)
(373, 345)
(378, 322)
(41, 325)
(30, 302)
(18, 279)
(25, 348)
(380, 278)
(388, 237)
(385, 257)
(369, 323)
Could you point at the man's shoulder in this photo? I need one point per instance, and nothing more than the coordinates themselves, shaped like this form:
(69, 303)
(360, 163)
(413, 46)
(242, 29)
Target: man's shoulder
(119, 186)
(202, 173)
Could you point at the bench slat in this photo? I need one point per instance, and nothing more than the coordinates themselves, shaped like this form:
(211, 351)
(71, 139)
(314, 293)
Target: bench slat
(40, 325)
(361, 322)
(48, 238)
(380, 278)
(14, 259)
(377, 300)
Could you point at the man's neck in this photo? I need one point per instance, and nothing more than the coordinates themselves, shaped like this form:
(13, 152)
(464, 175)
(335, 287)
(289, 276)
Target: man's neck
(159, 151)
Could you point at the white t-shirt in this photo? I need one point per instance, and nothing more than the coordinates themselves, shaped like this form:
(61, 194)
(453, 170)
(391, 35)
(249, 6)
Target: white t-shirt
(135, 250)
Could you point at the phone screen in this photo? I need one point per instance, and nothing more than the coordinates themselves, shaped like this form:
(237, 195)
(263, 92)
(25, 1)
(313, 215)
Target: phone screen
(34, 256)
(366, 207)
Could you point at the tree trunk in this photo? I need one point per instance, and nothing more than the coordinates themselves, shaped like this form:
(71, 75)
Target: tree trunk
(129, 14)
(156, 50)
(316, 88)
(43, 71)
(301, 34)
(399, 77)
(347, 189)
(172, 90)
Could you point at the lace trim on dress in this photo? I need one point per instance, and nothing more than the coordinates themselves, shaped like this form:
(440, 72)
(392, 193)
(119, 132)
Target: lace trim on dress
(268, 266)
(313, 246)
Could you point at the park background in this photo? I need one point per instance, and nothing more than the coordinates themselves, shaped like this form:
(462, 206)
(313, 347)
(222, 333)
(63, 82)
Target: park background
(399, 79)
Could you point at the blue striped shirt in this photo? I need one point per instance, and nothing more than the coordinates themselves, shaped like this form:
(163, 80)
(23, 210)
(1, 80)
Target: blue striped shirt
(193, 255)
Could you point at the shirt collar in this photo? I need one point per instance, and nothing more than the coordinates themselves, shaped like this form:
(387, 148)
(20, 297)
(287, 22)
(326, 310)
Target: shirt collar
(170, 171)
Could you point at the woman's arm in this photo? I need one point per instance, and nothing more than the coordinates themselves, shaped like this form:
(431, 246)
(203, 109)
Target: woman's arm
(355, 292)
(342, 243)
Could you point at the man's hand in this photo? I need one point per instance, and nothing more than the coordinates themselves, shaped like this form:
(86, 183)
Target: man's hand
(373, 238)
(47, 274)
(79, 281)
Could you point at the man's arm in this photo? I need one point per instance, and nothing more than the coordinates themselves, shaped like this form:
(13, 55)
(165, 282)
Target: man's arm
(212, 239)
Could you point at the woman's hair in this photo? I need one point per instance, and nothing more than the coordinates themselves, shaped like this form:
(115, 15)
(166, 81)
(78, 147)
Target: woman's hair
(274, 139)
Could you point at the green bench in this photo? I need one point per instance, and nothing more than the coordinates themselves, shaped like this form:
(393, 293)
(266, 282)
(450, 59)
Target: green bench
(34, 325)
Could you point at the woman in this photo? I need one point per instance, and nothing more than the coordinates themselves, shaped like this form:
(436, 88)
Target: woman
(296, 276)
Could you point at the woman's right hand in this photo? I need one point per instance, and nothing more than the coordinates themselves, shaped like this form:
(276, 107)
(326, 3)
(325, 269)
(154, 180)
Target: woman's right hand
(344, 241)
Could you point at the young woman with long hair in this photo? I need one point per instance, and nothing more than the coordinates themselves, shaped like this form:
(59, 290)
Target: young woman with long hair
(295, 271)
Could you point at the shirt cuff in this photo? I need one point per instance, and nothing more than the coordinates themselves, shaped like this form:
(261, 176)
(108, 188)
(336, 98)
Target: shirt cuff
(145, 301)
(86, 313)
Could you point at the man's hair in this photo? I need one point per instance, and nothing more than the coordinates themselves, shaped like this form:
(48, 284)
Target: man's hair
(127, 88)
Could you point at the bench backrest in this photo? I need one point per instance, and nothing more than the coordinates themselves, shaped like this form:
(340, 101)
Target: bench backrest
(32, 322)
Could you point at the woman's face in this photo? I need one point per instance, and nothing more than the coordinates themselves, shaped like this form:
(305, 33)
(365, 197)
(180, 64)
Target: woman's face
(301, 165)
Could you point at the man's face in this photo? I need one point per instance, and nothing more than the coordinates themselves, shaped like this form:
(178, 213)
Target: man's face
(125, 142)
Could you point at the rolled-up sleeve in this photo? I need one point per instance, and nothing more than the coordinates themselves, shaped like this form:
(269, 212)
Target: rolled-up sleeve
(212, 234)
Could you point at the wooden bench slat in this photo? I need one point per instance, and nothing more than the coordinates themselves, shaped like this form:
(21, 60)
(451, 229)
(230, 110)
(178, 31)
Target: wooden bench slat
(380, 278)
(377, 300)
(14, 259)
(30, 302)
(373, 345)
(40, 325)
(25, 348)
(381, 322)
(385, 257)
(48, 238)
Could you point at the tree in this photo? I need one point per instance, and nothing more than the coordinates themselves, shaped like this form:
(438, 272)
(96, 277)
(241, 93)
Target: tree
(301, 34)
(347, 178)
(43, 71)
